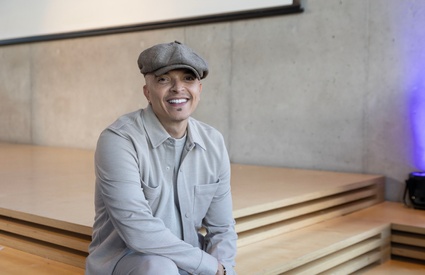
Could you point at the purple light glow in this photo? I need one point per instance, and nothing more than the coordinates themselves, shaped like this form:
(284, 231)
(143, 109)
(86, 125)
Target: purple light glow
(417, 116)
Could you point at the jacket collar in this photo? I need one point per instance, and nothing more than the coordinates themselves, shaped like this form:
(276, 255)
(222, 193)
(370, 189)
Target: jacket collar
(158, 135)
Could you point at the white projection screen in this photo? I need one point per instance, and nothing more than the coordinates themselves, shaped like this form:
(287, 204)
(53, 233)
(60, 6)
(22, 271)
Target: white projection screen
(39, 20)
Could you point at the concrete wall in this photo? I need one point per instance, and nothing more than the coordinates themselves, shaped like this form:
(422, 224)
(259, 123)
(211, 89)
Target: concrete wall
(327, 89)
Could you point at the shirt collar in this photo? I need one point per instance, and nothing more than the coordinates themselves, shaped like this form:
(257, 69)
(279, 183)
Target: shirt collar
(193, 135)
(157, 134)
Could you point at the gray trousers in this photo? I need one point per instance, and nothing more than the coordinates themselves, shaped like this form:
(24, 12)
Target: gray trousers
(141, 264)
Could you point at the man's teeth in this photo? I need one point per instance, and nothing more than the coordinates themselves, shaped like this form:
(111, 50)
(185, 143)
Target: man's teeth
(177, 101)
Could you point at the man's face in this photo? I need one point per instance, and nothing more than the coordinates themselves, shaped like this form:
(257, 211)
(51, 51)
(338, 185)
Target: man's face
(174, 95)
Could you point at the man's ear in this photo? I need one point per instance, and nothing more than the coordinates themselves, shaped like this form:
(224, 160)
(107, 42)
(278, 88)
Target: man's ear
(146, 93)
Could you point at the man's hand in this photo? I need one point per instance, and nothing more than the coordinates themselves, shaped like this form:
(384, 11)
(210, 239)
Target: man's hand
(220, 270)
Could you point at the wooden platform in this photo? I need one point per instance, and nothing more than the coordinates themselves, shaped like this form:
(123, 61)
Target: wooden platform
(16, 262)
(396, 267)
(46, 208)
(341, 245)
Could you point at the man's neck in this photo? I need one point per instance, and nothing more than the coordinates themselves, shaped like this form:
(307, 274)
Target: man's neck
(177, 130)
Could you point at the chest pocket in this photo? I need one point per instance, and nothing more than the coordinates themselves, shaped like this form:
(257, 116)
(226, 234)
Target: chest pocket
(203, 197)
(152, 195)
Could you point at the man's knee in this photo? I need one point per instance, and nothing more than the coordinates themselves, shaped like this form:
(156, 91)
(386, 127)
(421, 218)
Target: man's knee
(138, 264)
(159, 265)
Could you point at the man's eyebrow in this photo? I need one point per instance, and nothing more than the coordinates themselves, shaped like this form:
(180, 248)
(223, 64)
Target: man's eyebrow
(184, 70)
(161, 75)
(188, 71)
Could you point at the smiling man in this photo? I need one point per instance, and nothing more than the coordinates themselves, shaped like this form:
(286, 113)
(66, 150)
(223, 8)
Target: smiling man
(162, 176)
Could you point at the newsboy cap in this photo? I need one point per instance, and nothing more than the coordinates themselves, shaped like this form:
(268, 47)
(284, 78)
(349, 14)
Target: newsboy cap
(162, 58)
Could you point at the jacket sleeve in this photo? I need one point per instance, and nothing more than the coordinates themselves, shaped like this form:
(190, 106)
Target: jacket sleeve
(221, 237)
(118, 178)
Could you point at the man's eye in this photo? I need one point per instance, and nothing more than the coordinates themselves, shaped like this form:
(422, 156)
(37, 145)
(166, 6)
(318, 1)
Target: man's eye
(162, 79)
(189, 78)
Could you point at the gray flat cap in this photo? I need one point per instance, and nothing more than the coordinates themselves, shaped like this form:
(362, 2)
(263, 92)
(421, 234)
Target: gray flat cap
(162, 58)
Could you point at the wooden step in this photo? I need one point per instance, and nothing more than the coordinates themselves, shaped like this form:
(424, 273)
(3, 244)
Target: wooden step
(407, 225)
(343, 245)
(46, 202)
(259, 189)
(45, 233)
(396, 267)
(44, 249)
(408, 244)
(319, 247)
(357, 264)
(16, 262)
(304, 214)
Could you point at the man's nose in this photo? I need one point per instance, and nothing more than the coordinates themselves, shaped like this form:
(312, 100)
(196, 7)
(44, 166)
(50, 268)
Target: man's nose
(178, 86)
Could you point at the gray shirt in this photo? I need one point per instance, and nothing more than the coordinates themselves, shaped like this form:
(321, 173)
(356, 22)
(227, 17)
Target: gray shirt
(175, 224)
(142, 202)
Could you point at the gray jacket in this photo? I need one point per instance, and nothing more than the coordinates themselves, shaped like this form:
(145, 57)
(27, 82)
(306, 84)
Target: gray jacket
(133, 196)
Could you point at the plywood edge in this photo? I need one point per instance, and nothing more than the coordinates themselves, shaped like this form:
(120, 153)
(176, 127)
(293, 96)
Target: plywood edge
(418, 229)
(43, 249)
(296, 223)
(14, 261)
(339, 257)
(376, 181)
(277, 215)
(396, 267)
(60, 224)
(311, 243)
(44, 233)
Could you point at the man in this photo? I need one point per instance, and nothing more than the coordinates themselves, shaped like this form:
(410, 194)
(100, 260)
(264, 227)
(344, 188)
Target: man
(162, 176)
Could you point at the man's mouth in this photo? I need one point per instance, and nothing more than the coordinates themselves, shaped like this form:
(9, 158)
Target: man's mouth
(177, 101)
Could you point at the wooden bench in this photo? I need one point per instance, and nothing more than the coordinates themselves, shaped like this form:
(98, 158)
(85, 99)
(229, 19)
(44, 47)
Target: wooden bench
(47, 207)
(341, 245)
(284, 216)
(395, 267)
(16, 262)
(359, 241)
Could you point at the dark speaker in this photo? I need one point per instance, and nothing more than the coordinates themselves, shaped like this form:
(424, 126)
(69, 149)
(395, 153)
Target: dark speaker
(415, 190)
